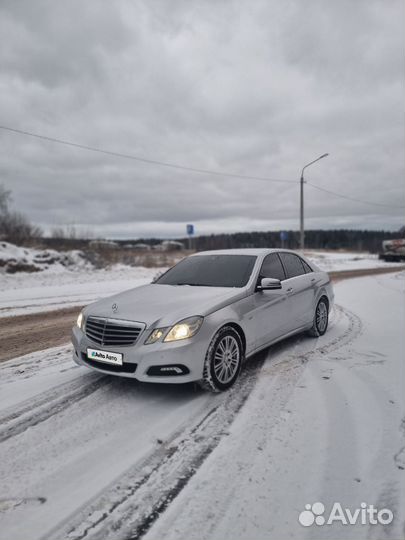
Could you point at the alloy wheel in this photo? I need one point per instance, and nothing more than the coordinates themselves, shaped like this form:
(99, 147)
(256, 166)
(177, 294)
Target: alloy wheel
(226, 359)
(321, 316)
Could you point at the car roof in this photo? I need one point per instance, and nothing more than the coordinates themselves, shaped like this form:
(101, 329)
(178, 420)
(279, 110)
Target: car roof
(242, 251)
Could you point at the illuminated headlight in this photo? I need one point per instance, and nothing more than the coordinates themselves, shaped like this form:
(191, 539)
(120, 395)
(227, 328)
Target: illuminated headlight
(184, 329)
(80, 320)
(155, 335)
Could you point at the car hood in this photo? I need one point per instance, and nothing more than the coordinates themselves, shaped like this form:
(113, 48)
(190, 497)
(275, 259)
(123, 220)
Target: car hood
(164, 305)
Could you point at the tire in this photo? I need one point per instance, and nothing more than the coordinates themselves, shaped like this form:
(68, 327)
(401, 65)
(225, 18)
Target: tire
(321, 318)
(223, 360)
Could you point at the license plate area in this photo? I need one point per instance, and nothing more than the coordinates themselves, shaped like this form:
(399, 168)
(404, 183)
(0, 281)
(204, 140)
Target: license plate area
(107, 357)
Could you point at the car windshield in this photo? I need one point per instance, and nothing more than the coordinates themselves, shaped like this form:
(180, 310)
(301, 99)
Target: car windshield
(210, 271)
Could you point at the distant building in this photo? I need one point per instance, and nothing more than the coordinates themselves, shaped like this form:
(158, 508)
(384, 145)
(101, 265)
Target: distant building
(139, 246)
(169, 245)
(103, 244)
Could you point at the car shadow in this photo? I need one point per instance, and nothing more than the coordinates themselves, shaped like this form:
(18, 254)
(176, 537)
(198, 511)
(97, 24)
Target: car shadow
(277, 348)
(150, 390)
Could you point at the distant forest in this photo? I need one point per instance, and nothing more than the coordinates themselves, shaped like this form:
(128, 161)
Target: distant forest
(348, 239)
(316, 239)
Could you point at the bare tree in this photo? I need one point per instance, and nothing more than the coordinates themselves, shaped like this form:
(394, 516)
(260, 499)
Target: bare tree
(5, 197)
(58, 232)
(14, 226)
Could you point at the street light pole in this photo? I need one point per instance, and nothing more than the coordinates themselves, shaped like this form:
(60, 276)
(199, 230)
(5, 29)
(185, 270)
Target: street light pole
(302, 234)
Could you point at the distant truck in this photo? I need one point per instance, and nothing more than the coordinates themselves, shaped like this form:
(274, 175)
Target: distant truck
(393, 250)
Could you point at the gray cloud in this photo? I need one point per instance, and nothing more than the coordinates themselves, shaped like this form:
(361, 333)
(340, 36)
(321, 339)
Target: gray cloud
(256, 88)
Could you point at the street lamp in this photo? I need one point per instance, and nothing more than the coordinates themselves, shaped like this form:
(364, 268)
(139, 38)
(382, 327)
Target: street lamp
(302, 242)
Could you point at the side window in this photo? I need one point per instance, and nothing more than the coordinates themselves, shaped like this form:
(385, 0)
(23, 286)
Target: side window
(292, 265)
(306, 266)
(272, 267)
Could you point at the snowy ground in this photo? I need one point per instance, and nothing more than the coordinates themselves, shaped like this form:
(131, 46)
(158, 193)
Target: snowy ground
(24, 293)
(344, 260)
(59, 287)
(84, 455)
(329, 430)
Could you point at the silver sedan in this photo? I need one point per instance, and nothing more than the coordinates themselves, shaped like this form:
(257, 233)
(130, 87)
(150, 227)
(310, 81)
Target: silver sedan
(201, 319)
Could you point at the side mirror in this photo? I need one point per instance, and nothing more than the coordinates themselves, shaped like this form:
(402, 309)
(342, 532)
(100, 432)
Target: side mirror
(268, 284)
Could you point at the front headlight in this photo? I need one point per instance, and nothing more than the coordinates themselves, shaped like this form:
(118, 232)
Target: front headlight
(184, 329)
(155, 335)
(79, 321)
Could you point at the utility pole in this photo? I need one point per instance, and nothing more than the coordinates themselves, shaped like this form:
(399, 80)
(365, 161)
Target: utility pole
(302, 181)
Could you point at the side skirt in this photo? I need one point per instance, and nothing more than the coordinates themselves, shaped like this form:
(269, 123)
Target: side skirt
(284, 336)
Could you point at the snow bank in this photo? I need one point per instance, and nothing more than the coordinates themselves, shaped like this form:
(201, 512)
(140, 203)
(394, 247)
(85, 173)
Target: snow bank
(15, 259)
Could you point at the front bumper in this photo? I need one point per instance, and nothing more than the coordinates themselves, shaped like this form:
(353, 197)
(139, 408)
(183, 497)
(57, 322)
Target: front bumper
(138, 358)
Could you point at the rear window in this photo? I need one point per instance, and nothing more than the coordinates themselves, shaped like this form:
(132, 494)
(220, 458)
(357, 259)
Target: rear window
(211, 271)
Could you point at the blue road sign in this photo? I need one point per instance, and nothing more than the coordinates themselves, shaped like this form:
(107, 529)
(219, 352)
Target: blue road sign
(190, 229)
(283, 236)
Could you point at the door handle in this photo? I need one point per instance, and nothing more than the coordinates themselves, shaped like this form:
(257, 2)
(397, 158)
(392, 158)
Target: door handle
(289, 289)
(313, 279)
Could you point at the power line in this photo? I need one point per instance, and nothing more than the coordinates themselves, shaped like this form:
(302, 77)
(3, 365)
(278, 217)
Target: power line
(144, 160)
(352, 198)
(186, 168)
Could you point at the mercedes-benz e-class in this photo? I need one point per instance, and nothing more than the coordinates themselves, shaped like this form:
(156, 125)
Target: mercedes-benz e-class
(202, 318)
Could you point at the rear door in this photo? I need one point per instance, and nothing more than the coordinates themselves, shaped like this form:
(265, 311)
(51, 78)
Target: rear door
(272, 307)
(299, 286)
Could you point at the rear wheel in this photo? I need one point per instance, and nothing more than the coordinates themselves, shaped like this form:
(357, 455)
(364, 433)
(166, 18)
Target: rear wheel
(223, 360)
(321, 318)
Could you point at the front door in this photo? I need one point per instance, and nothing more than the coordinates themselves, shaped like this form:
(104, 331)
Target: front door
(272, 307)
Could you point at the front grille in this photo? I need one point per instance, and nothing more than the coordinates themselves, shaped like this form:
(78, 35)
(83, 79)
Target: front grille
(112, 332)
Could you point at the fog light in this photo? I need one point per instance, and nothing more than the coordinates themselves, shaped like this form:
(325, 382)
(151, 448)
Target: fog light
(172, 370)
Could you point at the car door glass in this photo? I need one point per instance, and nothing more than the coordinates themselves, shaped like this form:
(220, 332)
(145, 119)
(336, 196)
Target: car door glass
(292, 265)
(272, 267)
(306, 266)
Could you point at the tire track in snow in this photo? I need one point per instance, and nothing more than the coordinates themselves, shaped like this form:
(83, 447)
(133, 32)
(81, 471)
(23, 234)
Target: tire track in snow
(34, 364)
(148, 487)
(34, 411)
(130, 506)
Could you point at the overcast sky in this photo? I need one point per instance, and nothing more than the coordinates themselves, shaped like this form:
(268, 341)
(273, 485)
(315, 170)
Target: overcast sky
(250, 87)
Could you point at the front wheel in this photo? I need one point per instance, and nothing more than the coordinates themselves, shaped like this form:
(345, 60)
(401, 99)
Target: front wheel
(223, 360)
(321, 318)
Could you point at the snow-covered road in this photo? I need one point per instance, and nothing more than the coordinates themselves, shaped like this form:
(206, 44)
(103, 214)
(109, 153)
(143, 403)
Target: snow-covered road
(84, 455)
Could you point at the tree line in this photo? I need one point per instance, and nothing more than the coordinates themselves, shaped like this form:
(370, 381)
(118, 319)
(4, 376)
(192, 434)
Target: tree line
(350, 239)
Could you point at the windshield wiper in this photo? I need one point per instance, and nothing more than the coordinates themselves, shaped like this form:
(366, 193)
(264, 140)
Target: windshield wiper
(193, 284)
